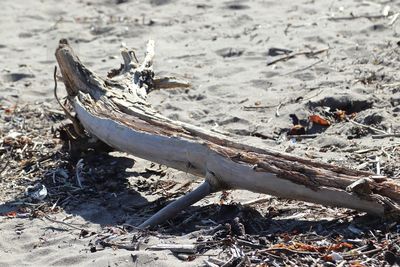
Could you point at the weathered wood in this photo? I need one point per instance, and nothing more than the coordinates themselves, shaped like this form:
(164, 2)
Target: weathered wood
(115, 110)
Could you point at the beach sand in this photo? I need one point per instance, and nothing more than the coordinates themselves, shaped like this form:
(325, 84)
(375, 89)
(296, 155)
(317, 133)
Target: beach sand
(226, 49)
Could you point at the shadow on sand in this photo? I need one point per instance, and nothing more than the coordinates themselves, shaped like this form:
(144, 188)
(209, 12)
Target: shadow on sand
(111, 196)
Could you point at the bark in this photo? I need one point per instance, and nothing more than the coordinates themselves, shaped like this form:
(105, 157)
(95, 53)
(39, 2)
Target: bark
(115, 110)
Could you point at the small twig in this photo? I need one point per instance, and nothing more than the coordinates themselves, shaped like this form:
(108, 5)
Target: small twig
(394, 19)
(64, 223)
(292, 55)
(75, 123)
(78, 170)
(216, 261)
(177, 248)
(277, 110)
(26, 203)
(365, 252)
(395, 84)
(247, 108)
(289, 250)
(368, 127)
(361, 151)
(212, 230)
(378, 165)
(4, 168)
(55, 204)
(317, 94)
(379, 136)
(139, 229)
(229, 262)
(191, 217)
(362, 166)
(129, 247)
(282, 103)
(257, 201)
(249, 244)
(54, 26)
(148, 60)
(287, 28)
(134, 56)
(303, 136)
(55, 111)
(357, 17)
(356, 252)
(304, 68)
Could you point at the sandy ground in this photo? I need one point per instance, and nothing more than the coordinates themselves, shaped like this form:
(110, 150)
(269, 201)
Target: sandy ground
(225, 49)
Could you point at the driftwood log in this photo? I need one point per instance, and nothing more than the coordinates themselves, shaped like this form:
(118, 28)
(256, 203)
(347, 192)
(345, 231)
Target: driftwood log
(114, 109)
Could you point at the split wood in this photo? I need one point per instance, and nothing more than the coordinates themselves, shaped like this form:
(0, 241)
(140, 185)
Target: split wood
(115, 110)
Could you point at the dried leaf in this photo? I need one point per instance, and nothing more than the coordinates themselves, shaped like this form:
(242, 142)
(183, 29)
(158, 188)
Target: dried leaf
(340, 246)
(10, 110)
(297, 130)
(286, 237)
(191, 258)
(340, 115)
(11, 214)
(306, 247)
(224, 197)
(319, 120)
(327, 258)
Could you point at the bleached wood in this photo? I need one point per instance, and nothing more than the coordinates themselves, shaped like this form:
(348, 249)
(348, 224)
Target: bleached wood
(115, 110)
(178, 205)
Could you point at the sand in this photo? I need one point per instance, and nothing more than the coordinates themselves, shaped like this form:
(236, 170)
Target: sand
(224, 49)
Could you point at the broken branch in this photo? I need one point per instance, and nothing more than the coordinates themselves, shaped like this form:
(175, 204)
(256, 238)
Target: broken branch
(115, 110)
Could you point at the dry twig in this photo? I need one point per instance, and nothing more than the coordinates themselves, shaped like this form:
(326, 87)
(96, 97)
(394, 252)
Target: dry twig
(295, 54)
